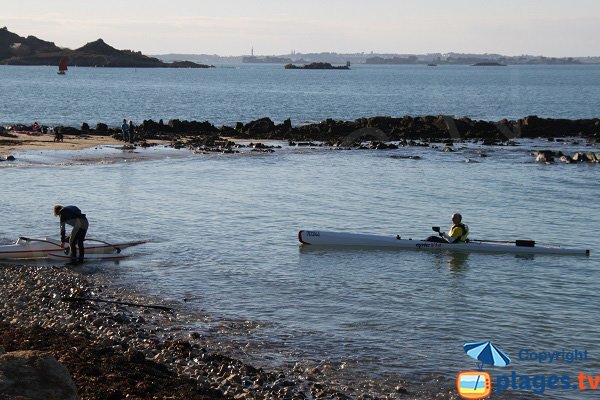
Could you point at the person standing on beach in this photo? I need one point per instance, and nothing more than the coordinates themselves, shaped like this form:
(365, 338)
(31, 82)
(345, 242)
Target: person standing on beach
(131, 131)
(125, 130)
(71, 215)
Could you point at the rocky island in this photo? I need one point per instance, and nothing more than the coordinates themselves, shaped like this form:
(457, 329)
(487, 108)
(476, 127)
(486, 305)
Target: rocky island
(317, 65)
(488, 64)
(18, 50)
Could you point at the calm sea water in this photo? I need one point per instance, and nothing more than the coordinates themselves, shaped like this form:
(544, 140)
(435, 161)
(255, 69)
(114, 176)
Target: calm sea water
(223, 228)
(227, 95)
(223, 232)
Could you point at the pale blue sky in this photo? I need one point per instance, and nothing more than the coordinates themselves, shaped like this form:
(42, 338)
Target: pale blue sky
(231, 27)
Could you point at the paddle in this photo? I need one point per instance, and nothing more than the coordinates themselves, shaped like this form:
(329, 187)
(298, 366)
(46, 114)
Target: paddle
(518, 242)
(108, 244)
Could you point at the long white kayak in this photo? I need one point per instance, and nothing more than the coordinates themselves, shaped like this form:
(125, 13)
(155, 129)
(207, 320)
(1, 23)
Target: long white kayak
(326, 238)
(33, 248)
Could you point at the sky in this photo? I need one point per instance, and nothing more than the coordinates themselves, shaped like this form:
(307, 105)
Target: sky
(555, 28)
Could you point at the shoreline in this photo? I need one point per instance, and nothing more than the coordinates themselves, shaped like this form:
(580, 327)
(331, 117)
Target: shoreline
(376, 133)
(339, 132)
(115, 351)
(45, 141)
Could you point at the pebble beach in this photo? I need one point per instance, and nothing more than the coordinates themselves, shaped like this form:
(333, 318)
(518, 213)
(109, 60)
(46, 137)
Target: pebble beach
(117, 351)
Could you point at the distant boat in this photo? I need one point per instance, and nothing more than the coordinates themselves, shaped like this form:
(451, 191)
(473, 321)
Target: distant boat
(62, 66)
(432, 65)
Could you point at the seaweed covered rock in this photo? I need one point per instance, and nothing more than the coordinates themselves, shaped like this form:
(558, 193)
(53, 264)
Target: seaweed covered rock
(35, 375)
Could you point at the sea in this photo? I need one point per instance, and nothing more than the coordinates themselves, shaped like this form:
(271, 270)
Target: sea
(222, 228)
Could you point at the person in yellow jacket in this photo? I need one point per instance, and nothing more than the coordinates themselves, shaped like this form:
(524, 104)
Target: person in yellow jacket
(458, 232)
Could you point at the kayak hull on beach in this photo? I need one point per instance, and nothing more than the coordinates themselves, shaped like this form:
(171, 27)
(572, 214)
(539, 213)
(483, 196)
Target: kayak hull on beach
(89, 257)
(29, 249)
(341, 239)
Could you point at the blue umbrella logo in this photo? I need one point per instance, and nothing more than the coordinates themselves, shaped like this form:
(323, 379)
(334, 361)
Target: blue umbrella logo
(486, 353)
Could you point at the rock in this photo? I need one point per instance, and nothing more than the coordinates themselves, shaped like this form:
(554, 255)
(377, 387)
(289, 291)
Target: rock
(9, 158)
(191, 127)
(382, 146)
(582, 157)
(534, 126)
(101, 128)
(85, 127)
(566, 159)
(260, 126)
(136, 356)
(401, 389)
(67, 130)
(546, 156)
(35, 375)
(228, 131)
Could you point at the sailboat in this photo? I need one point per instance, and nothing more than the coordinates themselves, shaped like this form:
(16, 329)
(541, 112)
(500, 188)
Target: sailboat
(62, 66)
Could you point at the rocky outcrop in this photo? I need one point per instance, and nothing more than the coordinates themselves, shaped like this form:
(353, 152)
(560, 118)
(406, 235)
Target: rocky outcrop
(316, 65)
(440, 128)
(35, 375)
(259, 127)
(534, 126)
(550, 156)
(17, 50)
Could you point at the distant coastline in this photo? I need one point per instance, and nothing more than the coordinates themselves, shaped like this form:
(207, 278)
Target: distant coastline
(380, 59)
(30, 50)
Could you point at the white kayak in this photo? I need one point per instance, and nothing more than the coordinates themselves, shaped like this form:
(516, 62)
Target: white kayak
(326, 238)
(33, 248)
(89, 257)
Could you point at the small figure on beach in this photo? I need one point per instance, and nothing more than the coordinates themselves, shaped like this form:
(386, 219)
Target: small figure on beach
(36, 127)
(131, 131)
(458, 232)
(72, 215)
(125, 130)
(58, 136)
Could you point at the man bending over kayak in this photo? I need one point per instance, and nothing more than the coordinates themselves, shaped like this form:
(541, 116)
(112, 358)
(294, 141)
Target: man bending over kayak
(458, 232)
(71, 215)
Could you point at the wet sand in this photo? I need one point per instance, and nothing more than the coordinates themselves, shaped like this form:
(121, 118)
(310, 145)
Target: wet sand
(25, 141)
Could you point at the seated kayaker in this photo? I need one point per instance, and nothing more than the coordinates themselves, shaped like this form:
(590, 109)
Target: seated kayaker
(458, 232)
(71, 215)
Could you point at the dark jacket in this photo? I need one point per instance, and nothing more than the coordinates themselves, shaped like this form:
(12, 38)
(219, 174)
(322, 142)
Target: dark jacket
(69, 215)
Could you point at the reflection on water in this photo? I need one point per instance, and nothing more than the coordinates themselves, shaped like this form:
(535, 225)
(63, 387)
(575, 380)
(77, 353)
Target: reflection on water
(225, 229)
(456, 261)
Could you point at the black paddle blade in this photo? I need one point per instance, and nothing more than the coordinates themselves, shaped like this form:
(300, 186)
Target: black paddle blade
(435, 229)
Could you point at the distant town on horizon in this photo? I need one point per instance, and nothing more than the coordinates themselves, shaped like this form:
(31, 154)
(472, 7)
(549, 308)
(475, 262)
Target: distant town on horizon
(378, 58)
